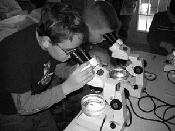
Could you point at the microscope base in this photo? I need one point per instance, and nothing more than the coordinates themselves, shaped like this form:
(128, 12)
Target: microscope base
(94, 123)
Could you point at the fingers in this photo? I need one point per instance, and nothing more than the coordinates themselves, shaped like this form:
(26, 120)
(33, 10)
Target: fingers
(163, 44)
(87, 76)
(80, 68)
(169, 48)
(87, 70)
(86, 79)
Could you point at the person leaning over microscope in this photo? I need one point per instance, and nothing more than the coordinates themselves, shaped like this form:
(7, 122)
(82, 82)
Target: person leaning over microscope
(101, 18)
(28, 59)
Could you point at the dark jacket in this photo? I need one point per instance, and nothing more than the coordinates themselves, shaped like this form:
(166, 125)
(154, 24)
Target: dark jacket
(161, 30)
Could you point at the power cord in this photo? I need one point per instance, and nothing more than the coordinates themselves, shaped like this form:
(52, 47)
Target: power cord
(130, 116)
(168, 77)
(127, 94)
(155, 108)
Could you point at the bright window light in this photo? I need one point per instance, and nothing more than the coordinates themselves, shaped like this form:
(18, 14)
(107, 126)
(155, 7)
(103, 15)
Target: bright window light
(147, 9)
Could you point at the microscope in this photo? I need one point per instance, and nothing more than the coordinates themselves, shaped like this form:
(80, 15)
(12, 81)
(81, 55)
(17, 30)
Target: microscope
(133, 64)
(104, 111)
(107, 110)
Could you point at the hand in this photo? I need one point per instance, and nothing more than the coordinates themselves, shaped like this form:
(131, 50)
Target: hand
(167, 46)
(78, 79)
(170, 57)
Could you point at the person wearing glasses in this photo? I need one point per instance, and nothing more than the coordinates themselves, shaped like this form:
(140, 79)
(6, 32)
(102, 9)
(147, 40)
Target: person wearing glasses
(28, 59)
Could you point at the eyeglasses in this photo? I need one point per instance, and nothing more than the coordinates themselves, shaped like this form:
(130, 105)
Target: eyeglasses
(67, 51)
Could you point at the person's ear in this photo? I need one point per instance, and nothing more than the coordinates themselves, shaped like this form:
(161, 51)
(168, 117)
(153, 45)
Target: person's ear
(46, 41)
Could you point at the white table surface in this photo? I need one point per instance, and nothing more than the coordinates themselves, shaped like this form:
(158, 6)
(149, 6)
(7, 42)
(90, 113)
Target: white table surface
(160, 88)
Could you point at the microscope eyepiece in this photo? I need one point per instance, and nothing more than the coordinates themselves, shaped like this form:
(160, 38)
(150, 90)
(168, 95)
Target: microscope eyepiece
(80, 56)
(111, 37)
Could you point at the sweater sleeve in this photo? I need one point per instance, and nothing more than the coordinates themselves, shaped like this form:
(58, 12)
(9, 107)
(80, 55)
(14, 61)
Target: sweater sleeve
(28, 104)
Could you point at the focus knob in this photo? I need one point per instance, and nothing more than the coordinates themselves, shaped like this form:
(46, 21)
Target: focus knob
(138, 70)
(116, 104)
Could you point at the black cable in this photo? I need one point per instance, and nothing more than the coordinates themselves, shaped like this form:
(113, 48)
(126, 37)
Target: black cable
(162, 119)
(169, 72)
(102, 123)
(130, 116)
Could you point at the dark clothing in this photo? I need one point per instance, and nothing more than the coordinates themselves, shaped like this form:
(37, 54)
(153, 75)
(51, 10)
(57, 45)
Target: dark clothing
(42, 121)
(124, 9)
(24, 67)
(161, 30)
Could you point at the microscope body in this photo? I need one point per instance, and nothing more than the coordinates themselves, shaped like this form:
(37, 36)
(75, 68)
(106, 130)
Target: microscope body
(107, 111)
(135, 67)
(108, 120)
(114, 114)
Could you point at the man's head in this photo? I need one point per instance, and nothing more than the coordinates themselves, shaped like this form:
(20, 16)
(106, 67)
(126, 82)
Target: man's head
(101, 18)
(172, 11)
(61, 30)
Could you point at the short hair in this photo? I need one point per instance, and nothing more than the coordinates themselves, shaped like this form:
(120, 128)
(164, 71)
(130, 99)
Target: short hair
(38, 3)
(100, 14)
(172, 7)
(60, 22)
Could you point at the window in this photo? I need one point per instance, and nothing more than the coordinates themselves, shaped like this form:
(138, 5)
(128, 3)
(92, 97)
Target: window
(146, 11)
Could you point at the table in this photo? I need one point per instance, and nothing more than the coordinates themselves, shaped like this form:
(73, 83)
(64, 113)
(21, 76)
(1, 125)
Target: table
(160, 88)
(9, 26)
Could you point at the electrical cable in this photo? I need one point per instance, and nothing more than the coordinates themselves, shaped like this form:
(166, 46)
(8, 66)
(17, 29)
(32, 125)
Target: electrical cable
(130, 116)
(103, 123)
(155, 108)
(169, 72)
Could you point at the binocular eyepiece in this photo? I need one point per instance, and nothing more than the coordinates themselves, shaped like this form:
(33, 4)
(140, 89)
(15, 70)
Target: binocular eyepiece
(79, 55)
(111, 37)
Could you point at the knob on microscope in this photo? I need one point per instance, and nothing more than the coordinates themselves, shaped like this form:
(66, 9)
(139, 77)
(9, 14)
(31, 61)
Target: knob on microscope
(138, 70)
(116, 104)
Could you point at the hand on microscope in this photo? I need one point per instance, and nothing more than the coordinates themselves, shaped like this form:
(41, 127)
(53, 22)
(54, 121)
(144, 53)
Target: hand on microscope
(78, 78)
(167, 46)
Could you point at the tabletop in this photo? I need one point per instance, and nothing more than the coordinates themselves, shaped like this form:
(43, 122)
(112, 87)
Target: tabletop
(160, 88)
